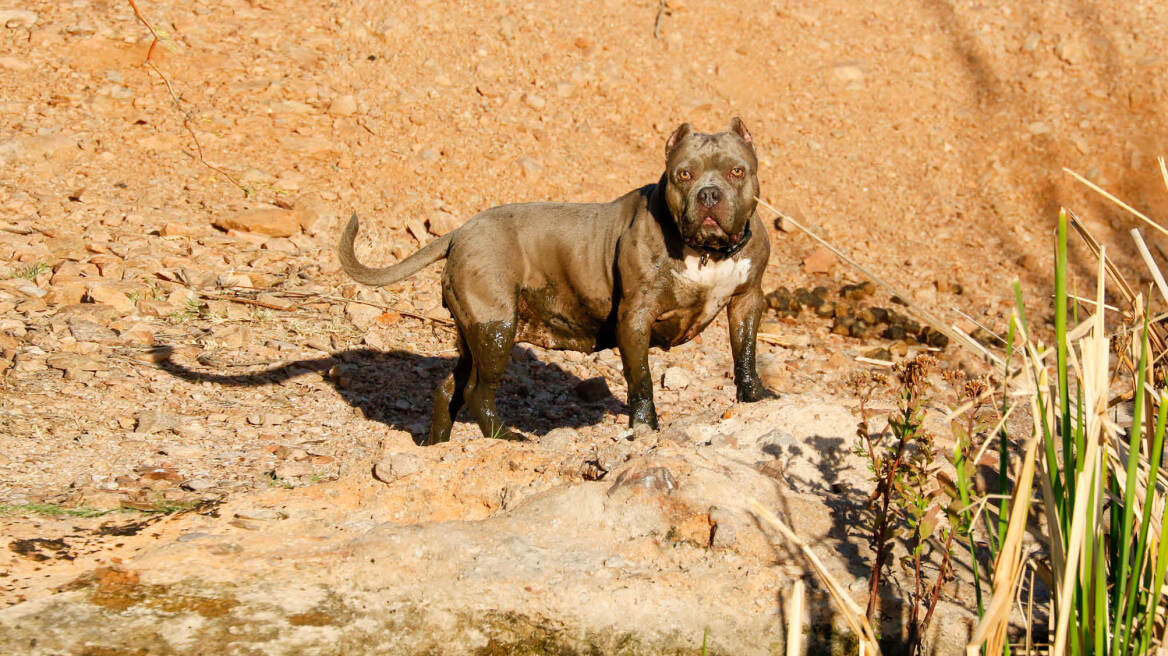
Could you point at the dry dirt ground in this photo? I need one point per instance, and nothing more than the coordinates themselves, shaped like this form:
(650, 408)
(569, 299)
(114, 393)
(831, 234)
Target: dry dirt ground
(180, 348)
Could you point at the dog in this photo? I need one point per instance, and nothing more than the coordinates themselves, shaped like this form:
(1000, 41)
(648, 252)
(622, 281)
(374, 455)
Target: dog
(651, 268)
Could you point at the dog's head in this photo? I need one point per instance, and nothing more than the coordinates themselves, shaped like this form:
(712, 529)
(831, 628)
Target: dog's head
(710, 184)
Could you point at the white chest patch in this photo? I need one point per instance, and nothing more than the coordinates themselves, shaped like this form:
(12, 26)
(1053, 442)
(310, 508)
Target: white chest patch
(717, 279)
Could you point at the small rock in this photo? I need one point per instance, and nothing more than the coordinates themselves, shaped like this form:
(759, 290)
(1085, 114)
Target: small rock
(1070, 50)
(84, 330)
(271, 221)
(530, 167)
(66, 293)
(650, 479)
(291, 453)
(442, 223)
(198, 484)
(675, 378)
(362, 315)
(345, 105)
(418, 230)
(592, 389)
(72, 362)
(156, 421)
(839, 361)
(111, 295)
(15, 64)
(615, 562)
(173, 229)
(291, 469)
(560, 439)
(850, 73)
(397, 465)
(534, 101)
(17, 18)
(820, 260)
(261, 514)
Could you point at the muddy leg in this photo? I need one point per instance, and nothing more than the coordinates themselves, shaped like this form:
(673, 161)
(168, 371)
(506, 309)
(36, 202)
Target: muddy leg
(633, 341)
(490, 346)
(450, 396)
(743, 312)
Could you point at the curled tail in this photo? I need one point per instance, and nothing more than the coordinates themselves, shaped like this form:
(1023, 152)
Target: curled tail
(430, 253)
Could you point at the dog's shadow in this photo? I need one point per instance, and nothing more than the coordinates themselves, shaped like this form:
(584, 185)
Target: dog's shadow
(396, 387)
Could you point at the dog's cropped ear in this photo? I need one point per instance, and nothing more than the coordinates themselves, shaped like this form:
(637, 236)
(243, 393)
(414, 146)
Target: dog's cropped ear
(680, 133)
(739, 128)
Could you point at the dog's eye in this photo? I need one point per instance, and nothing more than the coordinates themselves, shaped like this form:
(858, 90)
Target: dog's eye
(737, 172)
(684, 174)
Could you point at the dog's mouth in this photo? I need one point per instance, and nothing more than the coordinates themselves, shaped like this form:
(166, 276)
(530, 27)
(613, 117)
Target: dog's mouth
(710, 235)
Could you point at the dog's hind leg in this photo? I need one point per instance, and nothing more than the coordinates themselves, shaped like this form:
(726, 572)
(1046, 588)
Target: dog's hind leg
(449, 396)
(490, 347)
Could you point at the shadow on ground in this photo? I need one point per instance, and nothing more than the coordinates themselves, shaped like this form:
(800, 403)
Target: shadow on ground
(395, 387)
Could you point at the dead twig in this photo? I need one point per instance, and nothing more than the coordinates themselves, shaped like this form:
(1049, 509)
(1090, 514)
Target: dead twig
(657, 23)
(248, 301)
(389, 308)
(187, 115)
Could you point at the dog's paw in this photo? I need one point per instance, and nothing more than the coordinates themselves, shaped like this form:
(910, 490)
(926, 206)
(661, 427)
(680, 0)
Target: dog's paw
(644, 415)
(754, 391)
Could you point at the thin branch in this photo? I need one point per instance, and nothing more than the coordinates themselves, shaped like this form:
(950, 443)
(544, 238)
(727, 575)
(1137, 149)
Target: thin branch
(186, 114)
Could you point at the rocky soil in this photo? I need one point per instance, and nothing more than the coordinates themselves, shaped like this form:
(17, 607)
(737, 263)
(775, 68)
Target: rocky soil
(208, 434)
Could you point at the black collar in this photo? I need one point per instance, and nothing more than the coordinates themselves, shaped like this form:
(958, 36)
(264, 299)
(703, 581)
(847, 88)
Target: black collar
(725, 251)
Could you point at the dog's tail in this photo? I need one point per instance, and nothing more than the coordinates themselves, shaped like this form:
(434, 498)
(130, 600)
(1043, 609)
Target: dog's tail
(430, 253)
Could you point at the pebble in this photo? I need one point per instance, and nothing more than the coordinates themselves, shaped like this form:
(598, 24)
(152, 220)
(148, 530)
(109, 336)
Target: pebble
(530, 168)
(651, 479)
(820, 260)
(442, 223)
(397, 465)
(345, 105)
(291, 469)
(271, 221)
(362, 315)
(15, 64)
(72, 361)
(84, 330)
(111, 295)
(17, 18)
(261, 514)
(156, 421)
(675, 378)
(560, 439)
(849, 72)
(592, 389)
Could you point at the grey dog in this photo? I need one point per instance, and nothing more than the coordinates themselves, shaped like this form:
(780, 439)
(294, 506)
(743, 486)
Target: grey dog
(651, 268)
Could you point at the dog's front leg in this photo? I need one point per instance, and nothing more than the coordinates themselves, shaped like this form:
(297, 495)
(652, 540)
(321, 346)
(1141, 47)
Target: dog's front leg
(744, 311)
(633, 327)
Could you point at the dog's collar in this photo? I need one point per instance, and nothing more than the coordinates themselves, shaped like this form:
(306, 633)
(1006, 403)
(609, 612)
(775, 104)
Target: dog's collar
(725, 251)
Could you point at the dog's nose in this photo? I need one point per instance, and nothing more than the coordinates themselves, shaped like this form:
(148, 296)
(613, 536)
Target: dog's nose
(709, 196)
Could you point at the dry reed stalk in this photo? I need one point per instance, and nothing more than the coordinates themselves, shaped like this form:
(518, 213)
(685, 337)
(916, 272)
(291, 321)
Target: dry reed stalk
(1150, 263)
(852, 613)
(1102, 192)
(795, 620)
(993, 626)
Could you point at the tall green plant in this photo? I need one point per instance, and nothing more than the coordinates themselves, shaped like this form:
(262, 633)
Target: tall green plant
(1101, 485)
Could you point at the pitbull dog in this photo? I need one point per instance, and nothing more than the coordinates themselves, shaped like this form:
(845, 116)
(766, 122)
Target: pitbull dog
(651, 268)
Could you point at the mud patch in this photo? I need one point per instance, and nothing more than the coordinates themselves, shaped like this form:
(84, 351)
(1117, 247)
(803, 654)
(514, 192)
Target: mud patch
(41, 549)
